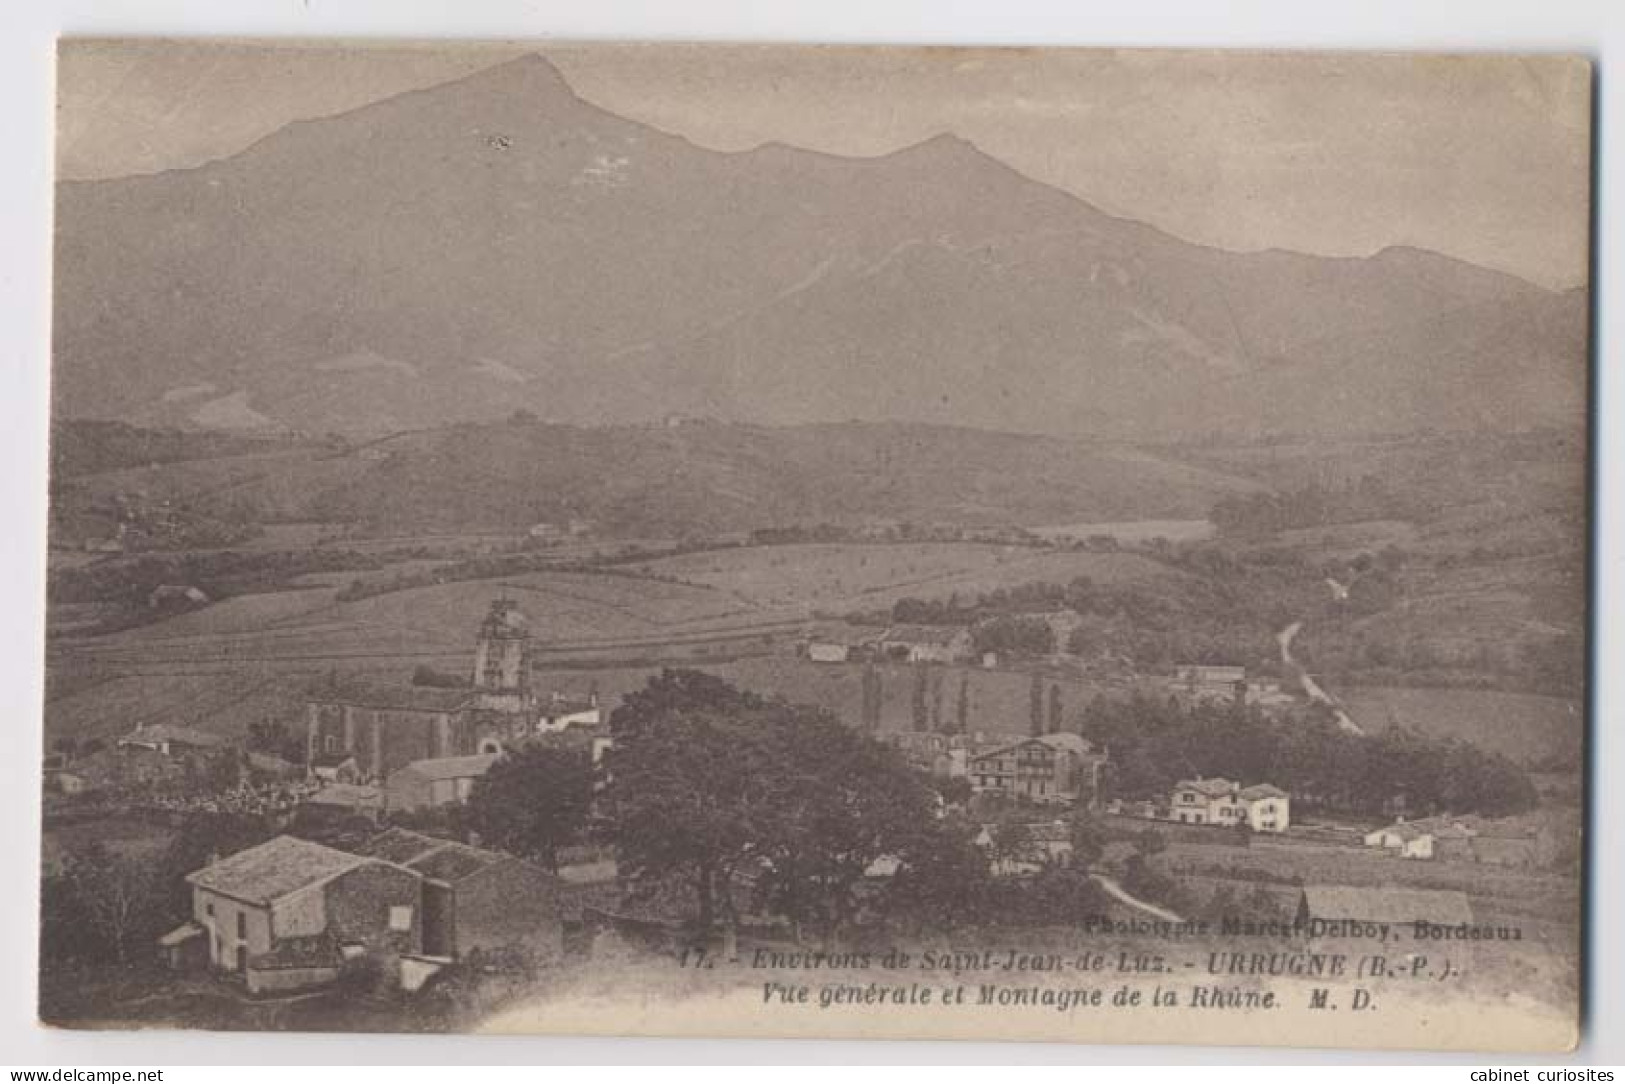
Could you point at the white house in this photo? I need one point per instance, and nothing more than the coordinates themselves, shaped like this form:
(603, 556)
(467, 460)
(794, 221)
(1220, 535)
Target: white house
(1262, 807)
(927, 643)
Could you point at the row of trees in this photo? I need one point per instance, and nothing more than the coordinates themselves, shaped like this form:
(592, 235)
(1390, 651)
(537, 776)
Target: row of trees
(1154, 743)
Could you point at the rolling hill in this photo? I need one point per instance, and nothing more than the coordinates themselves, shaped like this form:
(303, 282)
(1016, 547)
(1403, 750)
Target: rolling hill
(640, 481)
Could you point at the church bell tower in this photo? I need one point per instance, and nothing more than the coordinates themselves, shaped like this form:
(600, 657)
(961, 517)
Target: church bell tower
(502, 659)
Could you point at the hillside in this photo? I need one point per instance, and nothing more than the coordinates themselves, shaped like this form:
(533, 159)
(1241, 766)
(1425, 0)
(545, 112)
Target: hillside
(641, 481)
(498, 243)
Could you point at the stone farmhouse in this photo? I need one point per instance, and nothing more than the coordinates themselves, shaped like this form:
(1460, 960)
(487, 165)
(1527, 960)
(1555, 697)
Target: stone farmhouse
(290, 914)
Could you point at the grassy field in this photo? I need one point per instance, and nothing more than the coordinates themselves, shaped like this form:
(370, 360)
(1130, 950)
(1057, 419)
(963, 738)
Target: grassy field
(1520, 725)
(844, 576)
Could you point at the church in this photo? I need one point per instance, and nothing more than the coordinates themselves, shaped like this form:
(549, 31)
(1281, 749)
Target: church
(383, 727)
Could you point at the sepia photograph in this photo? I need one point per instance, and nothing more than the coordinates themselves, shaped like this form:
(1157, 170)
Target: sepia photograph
(788, 541)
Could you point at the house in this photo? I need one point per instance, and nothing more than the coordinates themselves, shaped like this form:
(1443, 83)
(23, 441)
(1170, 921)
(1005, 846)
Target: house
(945, 756)
(561, 713)
(337, 767)
(1261, 807)
(476, 899)
(1208, 683)
(425, 784)
(926, 643)
(840, 642)
(1268, 809)
(1429, 838)
(1205, 801)
(1029, 848)
(1327, 910)
(1051, 769)
(170, 740)
(291, 914)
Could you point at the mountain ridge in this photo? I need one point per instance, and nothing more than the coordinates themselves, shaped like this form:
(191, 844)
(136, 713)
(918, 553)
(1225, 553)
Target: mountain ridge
(499, 242)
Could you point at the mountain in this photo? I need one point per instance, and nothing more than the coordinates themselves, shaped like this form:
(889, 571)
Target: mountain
(498, 243)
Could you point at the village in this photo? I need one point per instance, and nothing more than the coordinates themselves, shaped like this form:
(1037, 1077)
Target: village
(372, 867)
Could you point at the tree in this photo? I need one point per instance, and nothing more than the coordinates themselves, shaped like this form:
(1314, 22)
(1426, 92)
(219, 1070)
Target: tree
(120, 897)
(1015, 635)
(272, 736)
(1055, 711)
(1035, 706)
(962, 706)
(840, 801)
(706, 789)
(943, 879)
(533, 801)
(1088, 839)
(920, 714)
(689, 788)
(676, 692)
(871, 697)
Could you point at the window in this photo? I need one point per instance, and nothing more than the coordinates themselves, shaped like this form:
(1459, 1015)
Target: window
(400, 919)
(208, 909)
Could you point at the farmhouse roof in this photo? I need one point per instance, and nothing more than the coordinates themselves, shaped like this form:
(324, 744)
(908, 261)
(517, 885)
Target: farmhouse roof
(398, 845)
(1067, 742)
(348, 795)
(165, 732)
(455, 861)
(275, 869)
(1217, 787)
(1391, 905)
(453, 767)
(1261, 790)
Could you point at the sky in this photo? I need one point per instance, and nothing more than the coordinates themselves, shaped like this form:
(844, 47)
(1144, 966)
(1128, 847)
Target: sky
(1485, 158)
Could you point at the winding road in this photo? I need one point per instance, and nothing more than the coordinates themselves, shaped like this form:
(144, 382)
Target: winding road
(1311, 688)
(1121, 895)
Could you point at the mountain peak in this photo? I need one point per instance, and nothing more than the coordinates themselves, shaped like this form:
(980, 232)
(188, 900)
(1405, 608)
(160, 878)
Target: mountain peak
(530, 73)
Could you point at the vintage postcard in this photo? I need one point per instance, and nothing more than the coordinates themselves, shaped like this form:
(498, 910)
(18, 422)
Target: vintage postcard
(1054, 544)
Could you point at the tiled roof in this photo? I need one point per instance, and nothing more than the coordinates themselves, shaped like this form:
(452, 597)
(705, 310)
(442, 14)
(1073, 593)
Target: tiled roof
(453, 767)
(1212, 788)
(352, 795)
(275, 869)
(398, 845)
(1068, 742)
(1391, 905)
(455, 861)
(1262, 790)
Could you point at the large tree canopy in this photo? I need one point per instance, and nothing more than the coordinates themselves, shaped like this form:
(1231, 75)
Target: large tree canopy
(533, 801)
(720, 787)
